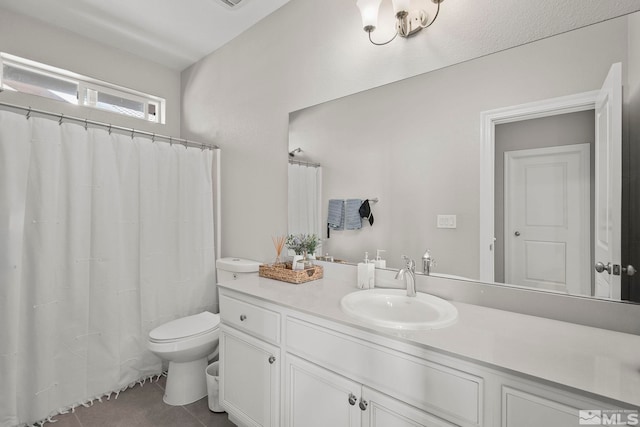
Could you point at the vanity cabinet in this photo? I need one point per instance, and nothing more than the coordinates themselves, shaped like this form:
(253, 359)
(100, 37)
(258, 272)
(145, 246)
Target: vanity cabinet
(280, 366)
(250, 364)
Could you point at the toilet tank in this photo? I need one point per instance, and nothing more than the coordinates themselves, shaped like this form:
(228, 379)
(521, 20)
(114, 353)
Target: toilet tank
(231, 268)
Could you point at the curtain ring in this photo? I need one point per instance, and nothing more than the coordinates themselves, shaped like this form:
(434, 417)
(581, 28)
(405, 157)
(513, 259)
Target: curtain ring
(202, 147)
(170, 141)
(61, 118)
(132, 132)
(109, 129)
(184, 142)
(29, 113)
(153, 137)
(86, 124)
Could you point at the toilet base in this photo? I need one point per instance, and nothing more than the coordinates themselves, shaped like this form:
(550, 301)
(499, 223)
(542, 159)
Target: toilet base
(186, 382)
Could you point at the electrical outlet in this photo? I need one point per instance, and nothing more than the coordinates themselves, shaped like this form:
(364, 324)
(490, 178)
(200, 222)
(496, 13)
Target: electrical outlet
(446, 221)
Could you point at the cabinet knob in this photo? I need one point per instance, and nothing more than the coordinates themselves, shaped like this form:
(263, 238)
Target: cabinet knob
(272, 359)
(363, 404)
(352, 399)
(243, 317)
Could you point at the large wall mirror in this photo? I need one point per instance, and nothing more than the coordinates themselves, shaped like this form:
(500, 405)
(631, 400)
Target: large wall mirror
(508, 168)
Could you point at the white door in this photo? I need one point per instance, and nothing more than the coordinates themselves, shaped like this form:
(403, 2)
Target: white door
(547, 218)
(608, 191)
(250, 378)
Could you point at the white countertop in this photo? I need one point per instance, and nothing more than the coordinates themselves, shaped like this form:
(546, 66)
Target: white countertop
(598, 361)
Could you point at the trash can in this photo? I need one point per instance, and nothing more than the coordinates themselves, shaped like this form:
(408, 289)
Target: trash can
(213, 387)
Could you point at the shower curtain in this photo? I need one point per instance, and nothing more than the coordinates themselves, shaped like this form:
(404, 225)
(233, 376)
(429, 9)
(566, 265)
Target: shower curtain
(102, 238)
(304, 199)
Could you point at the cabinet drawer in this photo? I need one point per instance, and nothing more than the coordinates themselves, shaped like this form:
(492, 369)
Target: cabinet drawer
(446, 392)
(250, 318)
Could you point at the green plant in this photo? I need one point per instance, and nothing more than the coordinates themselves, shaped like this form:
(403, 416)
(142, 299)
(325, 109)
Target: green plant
(299, 243)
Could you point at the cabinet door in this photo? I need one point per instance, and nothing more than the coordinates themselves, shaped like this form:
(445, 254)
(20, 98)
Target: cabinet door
(523, 409)
(385, 411)
(317, 397)
(250, 379)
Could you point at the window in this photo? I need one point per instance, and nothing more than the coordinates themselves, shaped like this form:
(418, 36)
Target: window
(25, 76)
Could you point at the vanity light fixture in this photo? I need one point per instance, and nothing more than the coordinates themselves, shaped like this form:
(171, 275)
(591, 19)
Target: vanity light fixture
(408, 22)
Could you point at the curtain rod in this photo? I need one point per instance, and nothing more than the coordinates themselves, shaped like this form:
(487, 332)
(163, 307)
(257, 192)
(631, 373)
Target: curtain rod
(110, 127)
(303, 163)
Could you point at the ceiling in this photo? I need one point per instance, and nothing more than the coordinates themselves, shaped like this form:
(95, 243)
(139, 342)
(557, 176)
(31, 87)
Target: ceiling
(173, 33)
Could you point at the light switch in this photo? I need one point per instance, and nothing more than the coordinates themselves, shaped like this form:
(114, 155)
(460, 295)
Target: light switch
(446, 221)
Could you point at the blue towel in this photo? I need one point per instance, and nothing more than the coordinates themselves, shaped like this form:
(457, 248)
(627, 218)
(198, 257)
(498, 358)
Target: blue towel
(352, 214)
(335, 218)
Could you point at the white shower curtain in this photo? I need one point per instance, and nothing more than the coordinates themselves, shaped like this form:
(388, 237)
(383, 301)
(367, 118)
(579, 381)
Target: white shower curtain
(305, 183)
(102, 238)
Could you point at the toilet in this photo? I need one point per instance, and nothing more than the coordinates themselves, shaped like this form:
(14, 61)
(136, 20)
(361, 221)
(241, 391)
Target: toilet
(189, 342)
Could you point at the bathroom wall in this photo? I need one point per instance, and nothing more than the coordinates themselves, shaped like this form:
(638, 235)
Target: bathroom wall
(41, 42)
(310, 52)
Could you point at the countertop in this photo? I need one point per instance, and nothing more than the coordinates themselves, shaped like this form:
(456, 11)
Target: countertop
(598, 361)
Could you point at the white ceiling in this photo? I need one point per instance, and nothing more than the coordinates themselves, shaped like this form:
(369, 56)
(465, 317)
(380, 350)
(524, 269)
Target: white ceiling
(169, 32)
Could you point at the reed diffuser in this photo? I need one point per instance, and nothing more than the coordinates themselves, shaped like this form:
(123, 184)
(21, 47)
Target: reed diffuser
(278, 243)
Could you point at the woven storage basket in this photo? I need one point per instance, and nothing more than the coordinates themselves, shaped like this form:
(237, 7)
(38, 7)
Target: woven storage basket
(284, 273)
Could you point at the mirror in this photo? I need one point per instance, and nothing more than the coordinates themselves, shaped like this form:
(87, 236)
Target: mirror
(416, 145)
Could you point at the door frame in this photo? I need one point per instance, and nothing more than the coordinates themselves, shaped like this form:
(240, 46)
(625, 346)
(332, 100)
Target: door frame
(488, 120)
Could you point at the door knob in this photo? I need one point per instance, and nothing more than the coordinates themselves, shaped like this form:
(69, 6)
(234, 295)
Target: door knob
(243, 317)
(272, 359)
(352, 399)
(629, 269)
(363, 404)
(517, 233)
(600, 267)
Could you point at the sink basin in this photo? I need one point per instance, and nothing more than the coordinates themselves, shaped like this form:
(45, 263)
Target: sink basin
(392, 308)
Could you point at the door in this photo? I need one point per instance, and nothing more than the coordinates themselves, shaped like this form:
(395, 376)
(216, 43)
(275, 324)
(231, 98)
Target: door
(317, 397)
(385, 411)
(608, 191)
(547, 218)
(249, 379)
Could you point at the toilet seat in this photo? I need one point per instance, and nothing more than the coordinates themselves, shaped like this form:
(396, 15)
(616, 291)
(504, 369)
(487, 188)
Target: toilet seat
(186, 327)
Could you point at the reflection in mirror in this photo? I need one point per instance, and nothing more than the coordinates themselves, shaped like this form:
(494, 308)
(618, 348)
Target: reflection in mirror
(417, 145)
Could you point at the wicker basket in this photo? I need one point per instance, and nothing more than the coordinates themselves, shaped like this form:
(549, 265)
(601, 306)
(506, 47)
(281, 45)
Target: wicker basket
(284, 273)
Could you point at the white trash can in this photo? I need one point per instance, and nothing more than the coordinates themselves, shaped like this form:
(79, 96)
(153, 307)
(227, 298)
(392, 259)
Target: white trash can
(213, 387)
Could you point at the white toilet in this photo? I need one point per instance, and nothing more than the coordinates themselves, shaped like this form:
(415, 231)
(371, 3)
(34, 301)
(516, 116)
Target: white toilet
(187, 343)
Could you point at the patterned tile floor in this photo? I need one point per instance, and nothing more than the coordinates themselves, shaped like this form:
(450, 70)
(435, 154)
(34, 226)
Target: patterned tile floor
(143, 407)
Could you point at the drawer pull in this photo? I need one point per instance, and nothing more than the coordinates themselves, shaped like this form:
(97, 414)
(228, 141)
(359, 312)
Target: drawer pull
(243, 317)
(352, 399)
(363, 404)
(272, 359)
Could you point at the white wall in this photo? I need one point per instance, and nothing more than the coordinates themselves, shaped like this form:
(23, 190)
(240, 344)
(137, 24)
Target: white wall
(41, 42)
(312, 51)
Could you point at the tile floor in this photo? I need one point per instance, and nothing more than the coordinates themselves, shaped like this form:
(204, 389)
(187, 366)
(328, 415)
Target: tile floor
(143, 407)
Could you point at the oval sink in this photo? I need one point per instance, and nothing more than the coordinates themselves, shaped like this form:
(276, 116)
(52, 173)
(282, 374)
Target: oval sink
(392, 308)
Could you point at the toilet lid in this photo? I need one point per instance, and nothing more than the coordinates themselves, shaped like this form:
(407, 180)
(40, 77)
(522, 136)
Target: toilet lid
(186, 327)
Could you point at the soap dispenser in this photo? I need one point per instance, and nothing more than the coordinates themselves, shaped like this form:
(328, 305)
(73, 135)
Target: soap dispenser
(379, 262)
(366, 273)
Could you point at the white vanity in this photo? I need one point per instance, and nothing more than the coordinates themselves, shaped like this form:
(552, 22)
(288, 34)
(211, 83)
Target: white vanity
(291, 357)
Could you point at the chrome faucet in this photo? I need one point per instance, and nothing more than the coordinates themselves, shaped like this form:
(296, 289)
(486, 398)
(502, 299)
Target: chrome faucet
(427, 262)
(410, 278)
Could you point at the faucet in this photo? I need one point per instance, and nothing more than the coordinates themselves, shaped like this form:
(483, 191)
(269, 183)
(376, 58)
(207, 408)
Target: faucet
(410, 278)
(427, 262)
